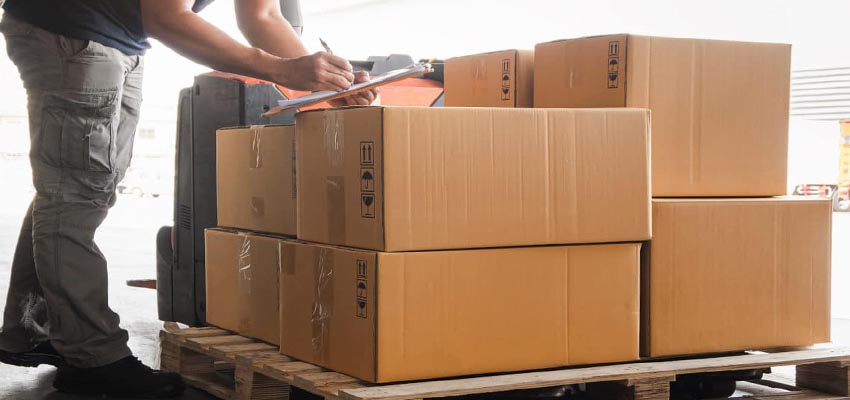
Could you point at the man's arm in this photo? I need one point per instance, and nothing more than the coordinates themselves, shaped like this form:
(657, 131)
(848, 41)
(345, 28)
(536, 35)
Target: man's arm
(263, 24)
(174, 23)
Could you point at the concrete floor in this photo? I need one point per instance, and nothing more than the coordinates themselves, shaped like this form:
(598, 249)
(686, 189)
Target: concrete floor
(127, 239)
(128, 242)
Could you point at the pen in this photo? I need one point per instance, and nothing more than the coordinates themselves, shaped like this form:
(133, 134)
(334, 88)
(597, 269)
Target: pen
(325, 45)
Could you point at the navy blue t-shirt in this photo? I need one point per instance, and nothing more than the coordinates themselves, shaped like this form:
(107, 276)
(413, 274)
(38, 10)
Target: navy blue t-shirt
(113, 23)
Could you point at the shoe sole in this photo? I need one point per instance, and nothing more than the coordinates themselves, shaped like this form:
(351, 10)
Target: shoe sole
(31, 360)
(174, 392)
(96, 393)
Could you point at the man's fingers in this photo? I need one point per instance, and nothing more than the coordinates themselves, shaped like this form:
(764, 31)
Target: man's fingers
(345, 74)
(334, 82)
(361, 76)
(368, 96)
(357, 100)
(338, 62)
(364, 98)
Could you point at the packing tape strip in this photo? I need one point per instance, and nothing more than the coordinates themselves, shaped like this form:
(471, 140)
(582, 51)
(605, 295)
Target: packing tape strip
(323, 300)
(334, 135)
(256, 146)
(245, 276)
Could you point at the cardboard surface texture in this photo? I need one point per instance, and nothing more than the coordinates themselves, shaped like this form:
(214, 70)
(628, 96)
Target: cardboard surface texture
(736, 274)
(405, 178)
(243, 283)
(255, 174)
(386, 317)
(719, 108)
(497, 79)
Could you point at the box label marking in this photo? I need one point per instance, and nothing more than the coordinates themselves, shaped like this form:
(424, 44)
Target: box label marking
(367, 179)
(506, 79)
(367, 205)
(367, 153)
(362, 289)
(613, 65)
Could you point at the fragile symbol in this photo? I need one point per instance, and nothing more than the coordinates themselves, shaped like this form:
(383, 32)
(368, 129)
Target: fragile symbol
(367, 205)
(506, 93)
(361, 308)
(361, 269)
(366, 153)
(367, 179)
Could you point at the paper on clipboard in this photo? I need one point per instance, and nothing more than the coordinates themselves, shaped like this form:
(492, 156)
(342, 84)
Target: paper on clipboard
(327, 95)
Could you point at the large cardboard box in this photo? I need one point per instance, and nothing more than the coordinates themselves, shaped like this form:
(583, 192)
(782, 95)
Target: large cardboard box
(405, 178)
(736, 274)
(719, 108)
(255, 174)
(497, 79)
(385, 317)
(242, 276)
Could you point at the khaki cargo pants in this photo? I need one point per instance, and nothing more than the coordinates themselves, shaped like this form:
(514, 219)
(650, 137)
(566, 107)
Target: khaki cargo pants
(83, 102)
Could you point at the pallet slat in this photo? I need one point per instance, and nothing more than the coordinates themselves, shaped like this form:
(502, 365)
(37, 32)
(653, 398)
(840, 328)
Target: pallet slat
(644, 370)
(204, 355)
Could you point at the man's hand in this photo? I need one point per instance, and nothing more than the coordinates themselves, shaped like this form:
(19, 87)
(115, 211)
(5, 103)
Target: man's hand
(285, 62)
(359, 99)
(320, 71)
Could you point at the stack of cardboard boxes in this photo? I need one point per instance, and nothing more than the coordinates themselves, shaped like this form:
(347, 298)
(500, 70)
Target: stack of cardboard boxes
(431, 242)
(434, 242)
(729, 267)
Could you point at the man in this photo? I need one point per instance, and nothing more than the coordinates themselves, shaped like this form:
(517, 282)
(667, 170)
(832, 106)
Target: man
(81, 62)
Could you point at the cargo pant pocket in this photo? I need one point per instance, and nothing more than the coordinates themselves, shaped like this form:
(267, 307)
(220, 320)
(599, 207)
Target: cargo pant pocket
(78, 130)
(11, 26)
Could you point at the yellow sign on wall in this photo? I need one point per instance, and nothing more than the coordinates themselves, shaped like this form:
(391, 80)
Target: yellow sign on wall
(844, 155)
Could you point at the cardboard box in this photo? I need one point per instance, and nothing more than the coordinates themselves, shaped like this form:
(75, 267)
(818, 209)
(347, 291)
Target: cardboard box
(736, 274)
(255, 174)
(719, 109)
(243, 283)
(405, 178)
(497, 79)
(385, 317)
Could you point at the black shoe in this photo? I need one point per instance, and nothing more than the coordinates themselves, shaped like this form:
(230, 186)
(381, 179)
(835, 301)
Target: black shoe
(127, 377)
(44, 353)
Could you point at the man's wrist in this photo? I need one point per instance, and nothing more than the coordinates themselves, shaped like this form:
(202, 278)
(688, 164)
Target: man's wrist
(268, 67)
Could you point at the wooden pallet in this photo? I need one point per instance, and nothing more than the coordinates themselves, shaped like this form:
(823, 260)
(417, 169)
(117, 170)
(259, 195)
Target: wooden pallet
(233, 367)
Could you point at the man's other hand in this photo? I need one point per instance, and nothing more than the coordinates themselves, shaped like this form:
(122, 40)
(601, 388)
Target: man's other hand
(319, 71)
(359, 99)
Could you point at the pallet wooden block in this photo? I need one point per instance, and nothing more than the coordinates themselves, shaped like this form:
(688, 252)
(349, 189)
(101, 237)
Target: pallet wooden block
(238, 368)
